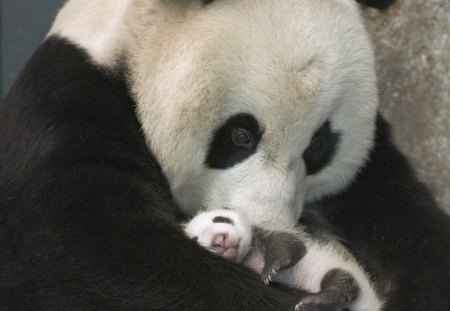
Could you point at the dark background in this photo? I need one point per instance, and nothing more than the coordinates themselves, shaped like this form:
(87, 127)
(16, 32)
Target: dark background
(24, 24)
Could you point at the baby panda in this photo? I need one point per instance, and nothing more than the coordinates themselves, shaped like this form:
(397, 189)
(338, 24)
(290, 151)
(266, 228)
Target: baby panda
(291, 257)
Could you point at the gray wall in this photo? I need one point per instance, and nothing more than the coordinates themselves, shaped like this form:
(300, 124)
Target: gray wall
(412, 43)
(24, 23)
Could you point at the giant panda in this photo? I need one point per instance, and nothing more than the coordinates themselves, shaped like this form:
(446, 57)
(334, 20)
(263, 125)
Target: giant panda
(136, 113)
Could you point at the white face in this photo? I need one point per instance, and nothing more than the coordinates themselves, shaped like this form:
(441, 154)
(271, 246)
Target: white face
(230, 95)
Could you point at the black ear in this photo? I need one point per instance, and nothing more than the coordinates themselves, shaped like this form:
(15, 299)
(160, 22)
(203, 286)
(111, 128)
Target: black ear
(378, 4)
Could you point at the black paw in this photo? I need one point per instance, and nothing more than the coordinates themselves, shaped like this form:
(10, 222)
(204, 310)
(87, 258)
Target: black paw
(280, 250)
(339, 289)
(318, 303)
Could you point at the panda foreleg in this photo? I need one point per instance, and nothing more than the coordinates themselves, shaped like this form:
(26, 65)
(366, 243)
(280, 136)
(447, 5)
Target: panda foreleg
(292, 258)
(338, 281)
(276, 250)
(338, 289)
(322, 267)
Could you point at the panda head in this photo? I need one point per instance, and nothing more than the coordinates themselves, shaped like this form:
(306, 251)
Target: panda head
(251, 105)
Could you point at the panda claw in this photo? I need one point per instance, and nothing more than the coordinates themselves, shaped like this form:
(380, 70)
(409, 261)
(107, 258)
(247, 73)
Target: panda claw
(298, 307)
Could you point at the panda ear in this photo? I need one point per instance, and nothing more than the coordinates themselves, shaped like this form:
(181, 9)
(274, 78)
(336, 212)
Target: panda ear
(378, 4)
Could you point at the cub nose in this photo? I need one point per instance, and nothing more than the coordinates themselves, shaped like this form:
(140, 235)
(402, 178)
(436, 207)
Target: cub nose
(223, 246)
(220, 241)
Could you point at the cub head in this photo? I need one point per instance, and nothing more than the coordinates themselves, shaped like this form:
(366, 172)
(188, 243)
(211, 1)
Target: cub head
(252, 105)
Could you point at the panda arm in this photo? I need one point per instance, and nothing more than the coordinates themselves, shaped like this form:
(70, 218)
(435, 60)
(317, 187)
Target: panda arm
(395, 227)
(87, 221)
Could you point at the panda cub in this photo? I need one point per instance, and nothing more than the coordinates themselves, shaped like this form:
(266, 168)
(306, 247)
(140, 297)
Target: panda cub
(290, 257)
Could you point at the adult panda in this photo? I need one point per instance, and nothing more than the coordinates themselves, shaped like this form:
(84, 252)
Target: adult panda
(254, 105)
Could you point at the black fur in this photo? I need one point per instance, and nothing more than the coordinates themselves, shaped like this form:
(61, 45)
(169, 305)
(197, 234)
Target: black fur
(342, 284)
(87, 221)
(280, 250)
(223, 152)
(321, 150)
(338, 289)
(221, 219)
(393, 225)
(378, 4)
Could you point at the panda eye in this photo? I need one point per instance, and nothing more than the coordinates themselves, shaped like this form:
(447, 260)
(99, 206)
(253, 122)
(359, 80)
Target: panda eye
(234, 141)
(241, 137)
(321, 150)
(315, 145)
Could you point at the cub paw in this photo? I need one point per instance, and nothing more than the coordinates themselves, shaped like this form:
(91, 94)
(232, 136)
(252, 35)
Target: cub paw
(314, 303)
(222, 232)
(338, 290)
(279, 250)
(319, 302)
(269, 276)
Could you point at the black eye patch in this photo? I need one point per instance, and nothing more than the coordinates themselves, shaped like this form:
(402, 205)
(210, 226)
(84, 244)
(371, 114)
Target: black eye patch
(223, 220)
(234, 141)
(321, 150)
(378, 4)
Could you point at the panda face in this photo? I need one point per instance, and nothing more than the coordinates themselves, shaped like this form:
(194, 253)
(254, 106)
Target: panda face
(252, 105)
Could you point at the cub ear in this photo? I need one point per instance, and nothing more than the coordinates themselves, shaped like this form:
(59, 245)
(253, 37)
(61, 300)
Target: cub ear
(378, 4)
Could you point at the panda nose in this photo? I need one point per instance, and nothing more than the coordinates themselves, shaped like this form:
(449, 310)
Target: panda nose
(220, 241)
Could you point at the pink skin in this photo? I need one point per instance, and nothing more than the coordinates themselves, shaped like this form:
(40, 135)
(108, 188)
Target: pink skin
(223, 246)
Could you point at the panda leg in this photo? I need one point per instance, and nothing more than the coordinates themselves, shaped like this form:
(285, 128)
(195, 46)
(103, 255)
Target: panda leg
(279, 250)
(338, 289)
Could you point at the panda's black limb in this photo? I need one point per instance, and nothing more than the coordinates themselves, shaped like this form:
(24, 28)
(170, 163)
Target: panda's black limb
(338, 289)
(281, 250)
(393, 226)
(86, 216)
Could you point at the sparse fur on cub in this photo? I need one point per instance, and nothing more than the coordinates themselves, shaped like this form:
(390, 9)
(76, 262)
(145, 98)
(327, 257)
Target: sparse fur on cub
(323, 267)
(134, 112)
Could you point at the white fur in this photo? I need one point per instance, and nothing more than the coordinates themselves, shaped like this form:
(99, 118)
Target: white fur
(308, 273)
(321, 258)
(292, 64)
(204, 229)
(98, 26)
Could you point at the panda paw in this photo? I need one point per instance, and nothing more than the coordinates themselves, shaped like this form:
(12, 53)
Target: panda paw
(339, 289)
(318, 303)
(269, 276)
(222, 232)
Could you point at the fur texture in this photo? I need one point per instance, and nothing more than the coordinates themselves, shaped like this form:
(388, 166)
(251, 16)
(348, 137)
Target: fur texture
(392, 224)
(87, 217)
(191, 64)
(294, 258)
(198, 68)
